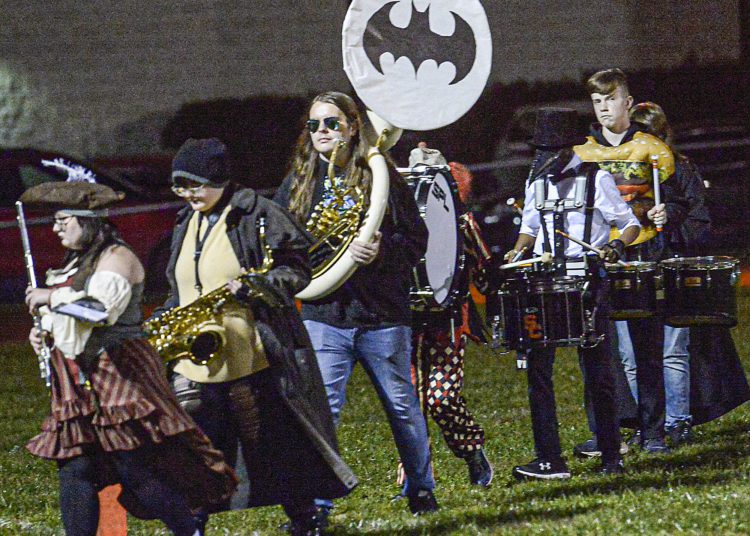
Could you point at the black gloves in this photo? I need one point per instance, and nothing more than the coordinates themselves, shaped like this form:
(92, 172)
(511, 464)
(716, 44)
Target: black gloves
(613, 251)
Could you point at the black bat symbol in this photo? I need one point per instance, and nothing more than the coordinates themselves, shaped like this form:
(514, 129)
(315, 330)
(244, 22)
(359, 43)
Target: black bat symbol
(418, 42)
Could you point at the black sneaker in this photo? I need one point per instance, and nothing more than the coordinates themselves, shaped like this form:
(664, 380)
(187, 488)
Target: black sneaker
(636, 439)
(201, 519)
(480, 469)
(542, 469)
(612, 468)
(680, 433)
(423, 502)
(655, 446)
(311, 525)
(587, 449)
(590, 449)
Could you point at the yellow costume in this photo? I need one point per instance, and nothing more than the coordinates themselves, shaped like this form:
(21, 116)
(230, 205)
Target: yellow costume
(630, 164)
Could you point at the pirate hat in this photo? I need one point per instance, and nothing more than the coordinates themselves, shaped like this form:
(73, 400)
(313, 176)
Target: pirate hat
(80, 194)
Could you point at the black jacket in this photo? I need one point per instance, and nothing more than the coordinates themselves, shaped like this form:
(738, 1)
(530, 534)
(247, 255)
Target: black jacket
(688, 220)
(294, 367)
(376, 294)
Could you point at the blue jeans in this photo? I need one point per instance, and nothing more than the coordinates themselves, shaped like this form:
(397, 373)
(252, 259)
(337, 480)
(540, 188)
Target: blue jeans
(385, 354)
(676, 370)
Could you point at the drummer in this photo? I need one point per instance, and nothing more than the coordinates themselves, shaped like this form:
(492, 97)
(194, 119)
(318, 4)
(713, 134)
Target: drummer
(556, 180)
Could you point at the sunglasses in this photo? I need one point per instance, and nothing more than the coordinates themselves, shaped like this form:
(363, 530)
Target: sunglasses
(185, 187)
(331, 123)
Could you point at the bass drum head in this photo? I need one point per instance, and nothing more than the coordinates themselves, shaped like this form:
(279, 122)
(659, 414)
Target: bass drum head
(441, 218)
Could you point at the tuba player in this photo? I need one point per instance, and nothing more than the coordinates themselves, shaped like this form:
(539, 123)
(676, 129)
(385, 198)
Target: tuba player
(367, 319)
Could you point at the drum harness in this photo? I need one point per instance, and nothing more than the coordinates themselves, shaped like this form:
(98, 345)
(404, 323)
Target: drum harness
(585, 186)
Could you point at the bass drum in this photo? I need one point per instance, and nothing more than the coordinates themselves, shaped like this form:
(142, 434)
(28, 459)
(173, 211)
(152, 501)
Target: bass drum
(437, 277)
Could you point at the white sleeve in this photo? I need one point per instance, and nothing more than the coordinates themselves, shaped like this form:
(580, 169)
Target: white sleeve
(63, 295)
(112, 290)
(610, 203)
(71, 335)
(530, 220)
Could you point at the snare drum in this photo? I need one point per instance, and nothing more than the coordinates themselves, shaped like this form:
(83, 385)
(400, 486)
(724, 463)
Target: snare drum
(539, 312)
(700, 291)
(437, 276)
(632, 290)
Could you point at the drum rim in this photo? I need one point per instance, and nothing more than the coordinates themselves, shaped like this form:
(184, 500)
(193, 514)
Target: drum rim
(420, 277)
(720, 262)
(631, 266)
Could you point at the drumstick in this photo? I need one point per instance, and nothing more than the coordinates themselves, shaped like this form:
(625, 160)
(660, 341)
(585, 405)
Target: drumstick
(519, 254)
(546, 257)
(587, 245)
(657, 193)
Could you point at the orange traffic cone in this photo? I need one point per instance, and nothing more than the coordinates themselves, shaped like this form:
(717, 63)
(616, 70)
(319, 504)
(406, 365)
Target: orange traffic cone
(113, 520)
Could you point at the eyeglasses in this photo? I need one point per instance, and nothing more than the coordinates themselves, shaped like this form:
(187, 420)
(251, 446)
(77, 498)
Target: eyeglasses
(182, 189)
(331, 123)
(61, 222)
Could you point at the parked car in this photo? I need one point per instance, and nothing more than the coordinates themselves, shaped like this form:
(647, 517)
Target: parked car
(145, 220)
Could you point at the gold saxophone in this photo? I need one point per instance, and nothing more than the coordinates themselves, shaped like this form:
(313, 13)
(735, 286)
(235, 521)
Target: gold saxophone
(194, 331)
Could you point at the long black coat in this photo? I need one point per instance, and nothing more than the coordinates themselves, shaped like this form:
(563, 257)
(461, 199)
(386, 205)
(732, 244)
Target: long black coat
(717, 379)
(319, 472)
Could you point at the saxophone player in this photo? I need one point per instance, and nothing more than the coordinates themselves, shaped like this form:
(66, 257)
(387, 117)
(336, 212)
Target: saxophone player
(367, 319)
(263, 391)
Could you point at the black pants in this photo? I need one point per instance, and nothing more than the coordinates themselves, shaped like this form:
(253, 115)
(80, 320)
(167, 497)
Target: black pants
(647, 335)
(79, 487)
(248, 413)
(599, 384)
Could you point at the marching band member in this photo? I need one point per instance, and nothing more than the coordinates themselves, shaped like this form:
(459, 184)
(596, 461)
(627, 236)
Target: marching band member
(440, 337)
(113, 417)
(367, 319)
(603, 208)
(264, 391)
(714, 367)
(623, 149)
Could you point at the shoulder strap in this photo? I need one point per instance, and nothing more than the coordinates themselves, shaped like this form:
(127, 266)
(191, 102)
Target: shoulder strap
(591, 171)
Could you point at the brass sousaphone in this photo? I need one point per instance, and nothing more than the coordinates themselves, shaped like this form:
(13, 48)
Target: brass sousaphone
(336, 232)
(418, 99)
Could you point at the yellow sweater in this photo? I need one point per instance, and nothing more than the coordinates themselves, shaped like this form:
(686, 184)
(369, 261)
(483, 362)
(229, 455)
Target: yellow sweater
(243, 352)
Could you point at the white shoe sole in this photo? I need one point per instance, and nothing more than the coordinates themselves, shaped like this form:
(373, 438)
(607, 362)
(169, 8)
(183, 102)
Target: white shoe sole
(551, 476)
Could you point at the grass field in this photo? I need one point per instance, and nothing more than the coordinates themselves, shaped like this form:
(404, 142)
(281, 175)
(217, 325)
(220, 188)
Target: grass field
(702, 488)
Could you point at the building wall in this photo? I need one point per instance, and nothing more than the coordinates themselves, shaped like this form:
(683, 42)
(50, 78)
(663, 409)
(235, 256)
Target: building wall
(96, 77)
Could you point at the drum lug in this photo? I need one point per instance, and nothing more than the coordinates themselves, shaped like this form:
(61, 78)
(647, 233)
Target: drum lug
(497, 339)
(735, 277)
(659, 281)
(521, 360)
(589, 338)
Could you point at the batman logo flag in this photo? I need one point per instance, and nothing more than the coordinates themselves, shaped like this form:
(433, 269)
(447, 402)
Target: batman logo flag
(418, 43)
(417, 64)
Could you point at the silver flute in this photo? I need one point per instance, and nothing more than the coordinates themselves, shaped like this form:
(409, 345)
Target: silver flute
(44, 356)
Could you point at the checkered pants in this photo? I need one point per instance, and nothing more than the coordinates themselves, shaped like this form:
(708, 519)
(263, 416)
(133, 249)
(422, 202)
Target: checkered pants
(439, 367)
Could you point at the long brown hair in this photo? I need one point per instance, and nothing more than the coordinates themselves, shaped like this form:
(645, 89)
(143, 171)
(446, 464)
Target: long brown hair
(97, 235)
(304, 163)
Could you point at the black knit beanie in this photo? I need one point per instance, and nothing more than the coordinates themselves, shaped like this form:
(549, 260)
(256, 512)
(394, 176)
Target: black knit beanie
(204, 161)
